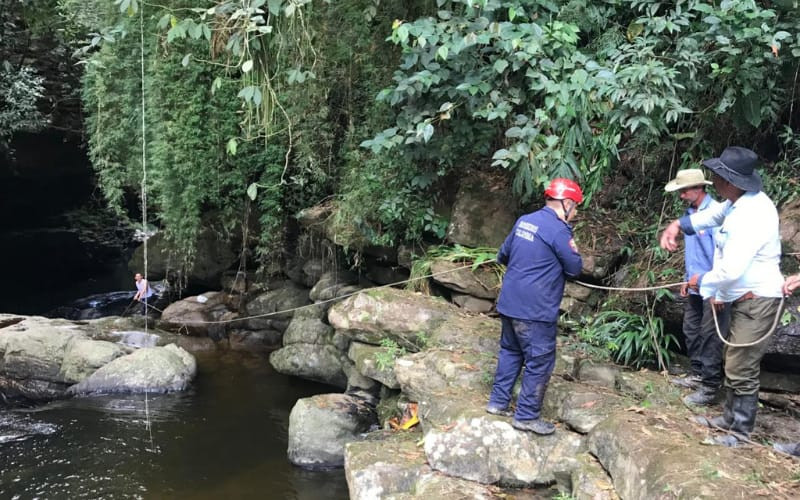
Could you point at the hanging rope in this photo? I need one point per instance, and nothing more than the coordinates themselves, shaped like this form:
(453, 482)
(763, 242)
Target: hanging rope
(149, 427)
(748, 344)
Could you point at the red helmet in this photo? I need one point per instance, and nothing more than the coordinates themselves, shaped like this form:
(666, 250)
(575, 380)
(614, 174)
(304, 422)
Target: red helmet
(564, 189)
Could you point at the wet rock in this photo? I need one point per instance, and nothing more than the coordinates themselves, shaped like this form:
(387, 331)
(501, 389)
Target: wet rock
(152, 369)
(318, 362)
(320, 426)
(259, 340)
(385, 275)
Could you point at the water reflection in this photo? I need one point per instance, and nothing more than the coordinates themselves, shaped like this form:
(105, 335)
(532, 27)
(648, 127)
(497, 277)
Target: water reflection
(225, 437)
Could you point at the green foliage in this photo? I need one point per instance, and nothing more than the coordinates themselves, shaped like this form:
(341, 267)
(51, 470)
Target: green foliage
(390, 352)
(421, 267)
(20, 90)
(780, 180)
(632, 339)
(193, 176)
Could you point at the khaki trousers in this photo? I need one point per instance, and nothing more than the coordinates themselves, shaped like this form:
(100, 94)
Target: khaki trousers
(750, 320)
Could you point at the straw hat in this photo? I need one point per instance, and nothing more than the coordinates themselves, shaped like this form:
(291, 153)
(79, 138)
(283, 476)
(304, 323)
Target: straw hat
(687, 178)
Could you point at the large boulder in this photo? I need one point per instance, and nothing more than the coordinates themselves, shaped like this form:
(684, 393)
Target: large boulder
(32, 353)
(319, 362)
(152, 369)
(382, 313)
(264, 310)
(332, 284)
(320, 426)
(198, 315)
(484, 211)
(84, 356)
(43, 359)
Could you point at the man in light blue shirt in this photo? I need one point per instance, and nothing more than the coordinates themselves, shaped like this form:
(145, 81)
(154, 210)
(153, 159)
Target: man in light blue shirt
(703, 345)
(746, 273)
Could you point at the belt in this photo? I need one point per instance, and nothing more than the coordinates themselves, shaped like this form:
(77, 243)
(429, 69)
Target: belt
(747, 296)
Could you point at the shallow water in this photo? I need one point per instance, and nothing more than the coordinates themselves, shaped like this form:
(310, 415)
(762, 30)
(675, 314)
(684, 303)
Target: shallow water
(224, 438)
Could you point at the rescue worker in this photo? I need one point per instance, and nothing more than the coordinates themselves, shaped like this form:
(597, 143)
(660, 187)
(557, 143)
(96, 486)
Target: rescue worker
(746, 274)
(703, 345)
(539, 254)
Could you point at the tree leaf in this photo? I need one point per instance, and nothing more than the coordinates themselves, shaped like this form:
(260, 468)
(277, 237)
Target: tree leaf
(252, 191)
(247, 65)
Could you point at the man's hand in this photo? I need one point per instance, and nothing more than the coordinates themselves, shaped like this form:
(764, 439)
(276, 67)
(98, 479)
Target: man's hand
(791, 284)
(685, 290)
(716, 304)
(669, 236)
(692, 284)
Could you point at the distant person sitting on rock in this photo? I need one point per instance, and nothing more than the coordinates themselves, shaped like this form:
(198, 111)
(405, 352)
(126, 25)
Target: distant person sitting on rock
(703, 345)
(791, 284)
(540, 253)
(144, 293)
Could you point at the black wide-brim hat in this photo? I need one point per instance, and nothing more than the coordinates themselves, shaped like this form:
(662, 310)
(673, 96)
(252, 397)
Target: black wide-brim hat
(737, 166)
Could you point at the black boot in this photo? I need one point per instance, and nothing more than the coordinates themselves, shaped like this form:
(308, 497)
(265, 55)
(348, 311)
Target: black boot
(745, 407)
(788, 448)
(703, 396)
(724, 421)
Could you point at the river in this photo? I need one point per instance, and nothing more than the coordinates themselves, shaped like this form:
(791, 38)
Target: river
(225, 437)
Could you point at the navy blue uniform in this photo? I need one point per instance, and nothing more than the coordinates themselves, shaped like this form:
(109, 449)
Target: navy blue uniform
(540, 254)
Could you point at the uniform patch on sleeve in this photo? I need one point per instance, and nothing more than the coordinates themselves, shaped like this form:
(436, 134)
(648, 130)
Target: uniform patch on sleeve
(573, 246)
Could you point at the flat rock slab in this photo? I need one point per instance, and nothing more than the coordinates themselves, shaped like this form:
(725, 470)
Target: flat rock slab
(488, 450)
(392, 465)
(650, 455)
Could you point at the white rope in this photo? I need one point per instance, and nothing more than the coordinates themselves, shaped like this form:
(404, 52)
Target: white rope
(748, 344)
(149, 427)
(630, 289)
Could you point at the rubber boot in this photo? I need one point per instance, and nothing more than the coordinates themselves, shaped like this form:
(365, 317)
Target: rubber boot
(703, 396)
(745, 407)
(788, 448)
(724, 421)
